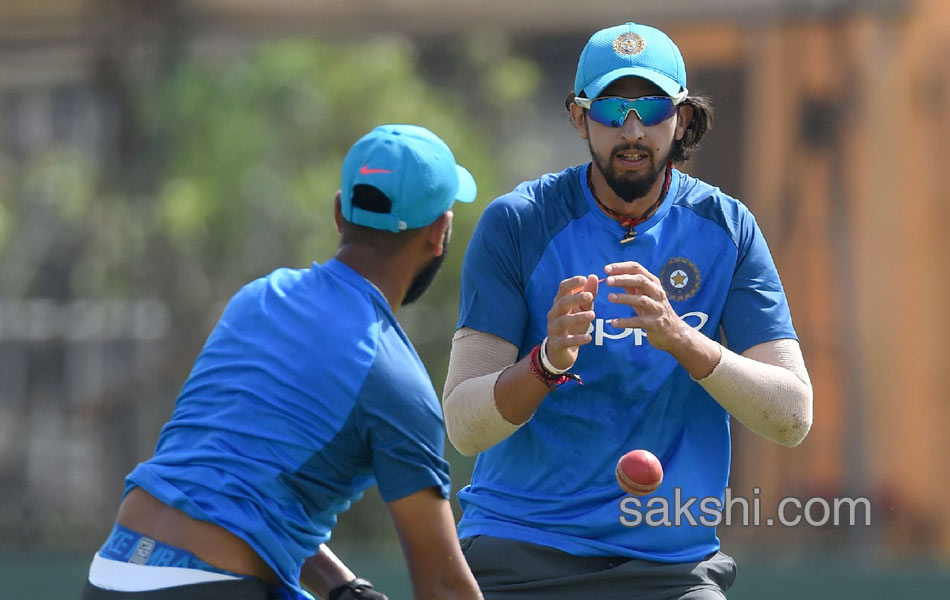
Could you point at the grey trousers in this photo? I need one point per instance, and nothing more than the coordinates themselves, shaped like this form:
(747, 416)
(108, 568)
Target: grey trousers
(512, 570)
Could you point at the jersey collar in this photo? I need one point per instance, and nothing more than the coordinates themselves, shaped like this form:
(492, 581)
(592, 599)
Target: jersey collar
(346, 273)
(615, 226)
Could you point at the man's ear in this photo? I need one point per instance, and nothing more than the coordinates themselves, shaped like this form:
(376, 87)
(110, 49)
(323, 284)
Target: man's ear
(579, 120)
(436, 234)
(684, 118)
(338, 212)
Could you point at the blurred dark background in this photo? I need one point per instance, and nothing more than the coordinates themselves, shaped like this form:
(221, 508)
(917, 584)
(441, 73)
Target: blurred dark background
(156, 155)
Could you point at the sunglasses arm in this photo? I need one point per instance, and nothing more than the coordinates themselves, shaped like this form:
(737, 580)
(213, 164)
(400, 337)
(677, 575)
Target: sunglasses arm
(585, 102)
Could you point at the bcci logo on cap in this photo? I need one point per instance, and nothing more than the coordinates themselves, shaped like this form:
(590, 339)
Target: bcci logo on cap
(629, 44)
(680, 279)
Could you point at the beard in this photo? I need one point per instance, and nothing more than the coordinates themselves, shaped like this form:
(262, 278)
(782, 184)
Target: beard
(426, 276)
(629, 186)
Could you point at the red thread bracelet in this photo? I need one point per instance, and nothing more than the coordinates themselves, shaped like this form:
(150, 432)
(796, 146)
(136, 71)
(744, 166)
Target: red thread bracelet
(551, 380)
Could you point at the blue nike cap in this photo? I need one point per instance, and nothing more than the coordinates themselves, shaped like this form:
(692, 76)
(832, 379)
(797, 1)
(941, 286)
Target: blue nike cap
(630, 50)
(413, 168)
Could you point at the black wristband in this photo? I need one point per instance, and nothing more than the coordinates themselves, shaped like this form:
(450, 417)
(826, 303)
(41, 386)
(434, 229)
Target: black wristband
(353, 590)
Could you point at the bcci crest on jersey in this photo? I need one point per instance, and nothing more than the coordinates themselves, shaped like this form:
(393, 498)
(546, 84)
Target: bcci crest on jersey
(680, 279)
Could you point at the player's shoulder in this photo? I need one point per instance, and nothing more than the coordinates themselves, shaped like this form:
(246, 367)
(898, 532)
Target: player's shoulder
(282, 286)
(320, 299)
(709, 202)
(397, 376)
(282, 278)
(249, 298)
(551, 198)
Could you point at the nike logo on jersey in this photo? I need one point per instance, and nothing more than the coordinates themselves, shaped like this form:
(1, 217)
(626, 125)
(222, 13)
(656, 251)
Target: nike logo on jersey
(365, 170)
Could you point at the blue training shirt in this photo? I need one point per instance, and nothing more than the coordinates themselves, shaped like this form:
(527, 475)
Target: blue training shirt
(552, 482)
(306, 393)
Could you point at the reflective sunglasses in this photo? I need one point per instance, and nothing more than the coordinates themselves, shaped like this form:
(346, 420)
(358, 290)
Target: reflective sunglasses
(613, 111)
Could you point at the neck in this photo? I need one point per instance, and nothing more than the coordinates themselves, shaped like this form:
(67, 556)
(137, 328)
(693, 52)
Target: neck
(637, 209)
(388, 273)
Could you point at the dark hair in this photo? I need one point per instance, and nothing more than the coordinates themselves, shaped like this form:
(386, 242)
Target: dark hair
(698, 126)
(372, 199)
(700, 123)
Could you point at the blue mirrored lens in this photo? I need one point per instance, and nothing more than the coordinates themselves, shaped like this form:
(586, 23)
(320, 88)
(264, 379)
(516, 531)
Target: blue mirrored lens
(651, 110)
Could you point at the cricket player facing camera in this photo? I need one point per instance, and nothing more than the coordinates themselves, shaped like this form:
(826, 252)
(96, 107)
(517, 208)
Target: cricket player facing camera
(554, 375)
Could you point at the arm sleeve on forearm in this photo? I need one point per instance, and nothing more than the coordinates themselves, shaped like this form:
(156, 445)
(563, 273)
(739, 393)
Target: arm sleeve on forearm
(767, 388)
(472, 420)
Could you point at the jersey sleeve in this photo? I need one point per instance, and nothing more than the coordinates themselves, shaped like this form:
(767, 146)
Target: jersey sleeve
(492, 296)
(756, 309)
(403, 430)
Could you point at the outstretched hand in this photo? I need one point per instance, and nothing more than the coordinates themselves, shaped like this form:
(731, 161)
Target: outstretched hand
(645, 294)
(569, 319)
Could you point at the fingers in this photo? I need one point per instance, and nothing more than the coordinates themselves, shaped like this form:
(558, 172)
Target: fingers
(655, 317)
(641, 303)
(626, 268)
(573, 294)
(564, 305)
(639, 284)
(569, 319)
(568, 342)
(566, 333)
(570, 286)
(591, 286)
(568, 324)
(643, 306)
(562, 348)
(572, 324)
(572, 310)
(634, 278)
(629, 323)
(642, 291)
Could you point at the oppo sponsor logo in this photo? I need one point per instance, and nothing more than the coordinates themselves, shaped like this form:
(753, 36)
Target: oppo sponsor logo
(602, 330)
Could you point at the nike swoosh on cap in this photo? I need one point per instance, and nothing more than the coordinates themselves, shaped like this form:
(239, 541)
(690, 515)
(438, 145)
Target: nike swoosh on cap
(365, 170)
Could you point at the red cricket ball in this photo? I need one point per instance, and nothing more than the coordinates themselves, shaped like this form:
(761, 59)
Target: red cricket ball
(639, 472)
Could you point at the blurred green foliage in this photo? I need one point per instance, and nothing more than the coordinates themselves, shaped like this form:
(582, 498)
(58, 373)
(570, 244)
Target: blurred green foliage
(240, 167)
(257, 146)
(233, 174)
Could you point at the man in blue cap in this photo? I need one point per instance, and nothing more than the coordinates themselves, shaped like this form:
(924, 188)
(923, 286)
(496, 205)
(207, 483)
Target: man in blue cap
(306, 393)
(553, 378)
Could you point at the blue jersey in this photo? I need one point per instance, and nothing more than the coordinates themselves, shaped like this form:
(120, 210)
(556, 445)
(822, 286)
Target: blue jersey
(306, 393)
(552, 482)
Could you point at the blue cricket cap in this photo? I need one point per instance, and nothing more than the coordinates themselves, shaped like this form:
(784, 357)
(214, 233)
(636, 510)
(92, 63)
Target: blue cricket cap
(414, 169)
(630, 50)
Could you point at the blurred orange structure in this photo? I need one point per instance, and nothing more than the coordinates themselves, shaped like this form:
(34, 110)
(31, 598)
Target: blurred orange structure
(845, 126)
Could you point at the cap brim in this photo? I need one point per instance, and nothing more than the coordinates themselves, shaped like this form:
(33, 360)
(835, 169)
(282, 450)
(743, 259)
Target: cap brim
(669, 86)
(467, 188)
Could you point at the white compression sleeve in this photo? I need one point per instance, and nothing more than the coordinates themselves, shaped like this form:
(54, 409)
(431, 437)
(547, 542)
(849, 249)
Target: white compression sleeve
(767, 388)
(472, 420)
